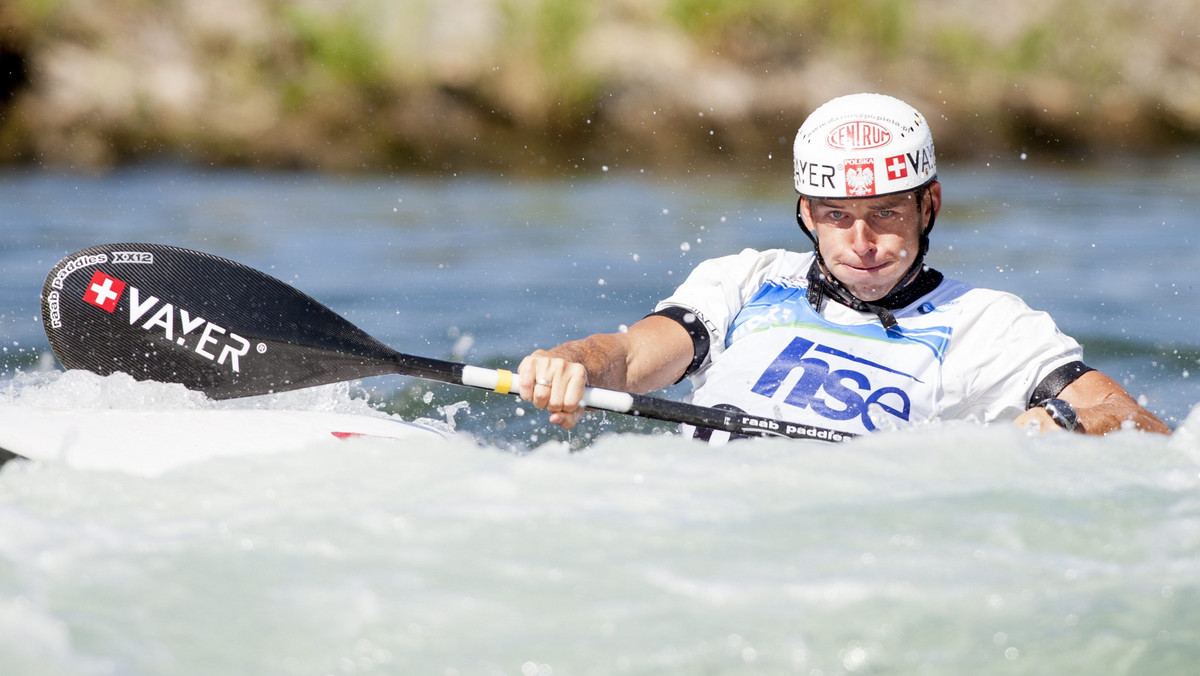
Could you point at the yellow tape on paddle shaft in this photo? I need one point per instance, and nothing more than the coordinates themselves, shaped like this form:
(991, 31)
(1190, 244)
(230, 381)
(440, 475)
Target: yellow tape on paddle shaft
(506, 382)
(497, 380)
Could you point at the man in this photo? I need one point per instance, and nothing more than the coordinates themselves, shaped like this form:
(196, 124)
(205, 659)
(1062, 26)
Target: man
(858, 335)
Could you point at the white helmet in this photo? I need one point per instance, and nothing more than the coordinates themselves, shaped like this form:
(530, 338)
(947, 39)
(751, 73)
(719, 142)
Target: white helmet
(863, 145)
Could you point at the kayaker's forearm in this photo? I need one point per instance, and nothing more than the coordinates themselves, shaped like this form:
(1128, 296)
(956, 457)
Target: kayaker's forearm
(650, 355)
(604, 356)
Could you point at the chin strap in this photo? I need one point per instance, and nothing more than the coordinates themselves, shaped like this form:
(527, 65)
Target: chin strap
(822, 285)
(918, 281)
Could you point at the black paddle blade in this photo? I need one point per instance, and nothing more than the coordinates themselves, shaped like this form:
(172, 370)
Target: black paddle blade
(178, 316)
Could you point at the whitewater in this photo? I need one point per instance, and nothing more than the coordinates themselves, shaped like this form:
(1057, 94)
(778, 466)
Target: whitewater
(512, 547)
(951, 549)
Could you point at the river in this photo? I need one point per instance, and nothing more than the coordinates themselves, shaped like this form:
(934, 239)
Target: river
(518, 548)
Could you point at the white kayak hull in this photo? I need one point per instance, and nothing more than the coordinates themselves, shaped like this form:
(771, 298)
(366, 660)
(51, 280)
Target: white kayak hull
(156, 440)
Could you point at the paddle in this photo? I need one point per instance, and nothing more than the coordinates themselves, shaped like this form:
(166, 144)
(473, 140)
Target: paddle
(172, 315)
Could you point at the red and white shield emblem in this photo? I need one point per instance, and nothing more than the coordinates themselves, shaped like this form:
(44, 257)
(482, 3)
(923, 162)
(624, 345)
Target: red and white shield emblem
(897, 168)
(860, 177)
(104, 291)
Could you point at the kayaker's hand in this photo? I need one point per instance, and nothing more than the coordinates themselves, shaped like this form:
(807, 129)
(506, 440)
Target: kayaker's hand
(1037, 421)
(554, 384)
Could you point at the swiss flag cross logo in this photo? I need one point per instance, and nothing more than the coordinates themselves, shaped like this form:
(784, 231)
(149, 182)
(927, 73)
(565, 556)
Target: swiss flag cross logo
(104, 291)
(896, 168)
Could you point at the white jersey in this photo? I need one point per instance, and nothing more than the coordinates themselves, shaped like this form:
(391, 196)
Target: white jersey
(958, 352)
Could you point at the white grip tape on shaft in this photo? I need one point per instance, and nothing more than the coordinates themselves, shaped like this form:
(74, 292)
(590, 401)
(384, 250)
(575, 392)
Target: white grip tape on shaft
(506, 381)
(608, 400)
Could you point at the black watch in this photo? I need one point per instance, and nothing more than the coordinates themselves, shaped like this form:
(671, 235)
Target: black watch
(1062, 413)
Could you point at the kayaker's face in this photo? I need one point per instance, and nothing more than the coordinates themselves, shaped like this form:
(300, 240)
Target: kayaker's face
(869, 243)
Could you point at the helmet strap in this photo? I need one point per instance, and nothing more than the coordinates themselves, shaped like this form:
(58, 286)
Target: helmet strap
(916, 282)
(822, 285)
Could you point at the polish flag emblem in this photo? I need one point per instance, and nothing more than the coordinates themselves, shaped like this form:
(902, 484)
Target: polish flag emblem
(860, 177)
(104, 291)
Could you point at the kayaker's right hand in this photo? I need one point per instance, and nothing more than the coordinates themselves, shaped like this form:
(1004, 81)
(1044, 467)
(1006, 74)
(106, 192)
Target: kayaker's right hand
(554, 384)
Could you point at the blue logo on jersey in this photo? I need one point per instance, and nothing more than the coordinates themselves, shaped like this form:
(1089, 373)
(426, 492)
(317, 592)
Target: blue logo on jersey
(849, 391)
(779, 304)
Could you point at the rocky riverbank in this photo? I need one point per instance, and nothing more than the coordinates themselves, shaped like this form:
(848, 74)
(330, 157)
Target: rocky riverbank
(552, 85)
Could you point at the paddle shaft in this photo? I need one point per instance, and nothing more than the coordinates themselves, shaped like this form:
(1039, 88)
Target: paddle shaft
(505, 382)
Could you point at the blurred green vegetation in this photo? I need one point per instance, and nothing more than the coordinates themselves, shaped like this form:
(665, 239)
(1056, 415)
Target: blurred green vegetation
(339, 46)
(881, 26)
(563, 85)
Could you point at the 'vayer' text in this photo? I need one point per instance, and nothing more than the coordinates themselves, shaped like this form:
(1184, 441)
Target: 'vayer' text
(225, 346)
